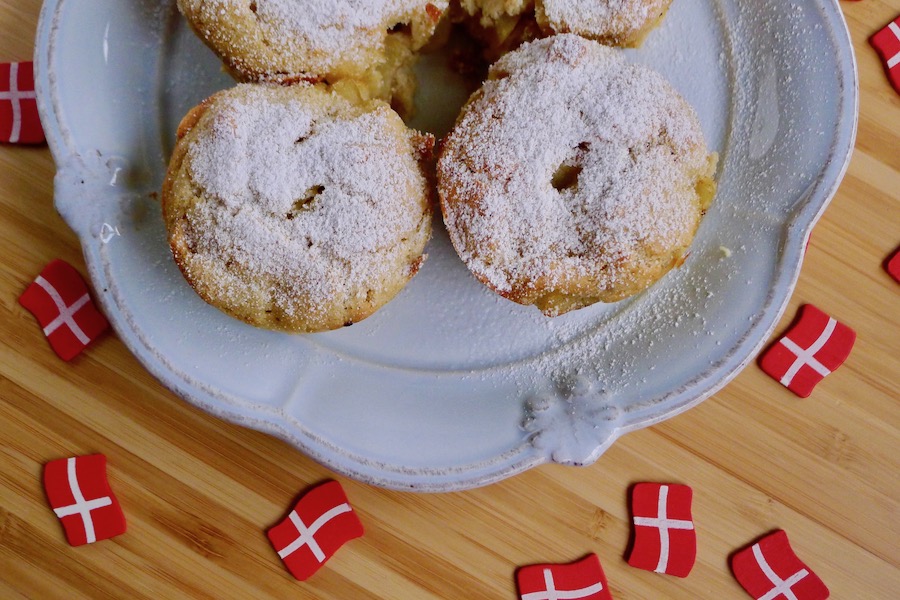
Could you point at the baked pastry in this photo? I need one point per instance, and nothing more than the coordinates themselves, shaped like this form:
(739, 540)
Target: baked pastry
(506, 23)
(573, 176)
(295, 208)
(499, 26)
(371, 41)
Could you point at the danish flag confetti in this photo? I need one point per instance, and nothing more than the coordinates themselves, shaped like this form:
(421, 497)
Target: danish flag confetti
(19, 121)
(581, 579)
(80, 496)
(319, 525)
(664, 536)
(887, 43)
(814, 347)
(892, 266)
(769, 570)
(59, 300)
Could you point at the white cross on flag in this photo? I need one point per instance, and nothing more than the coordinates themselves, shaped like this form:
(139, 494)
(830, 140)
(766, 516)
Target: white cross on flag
(59, 300)
(321, 522)
(887, 43)
(769, 570)
(664, 536)
(583, 579)
(79, 494)
(814, 347)
(19, 120)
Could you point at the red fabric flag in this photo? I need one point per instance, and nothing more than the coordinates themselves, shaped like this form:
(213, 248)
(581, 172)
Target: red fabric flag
(19, 120)
(664, 536)
(320, 523)
(887, 43)
(769, 570)
(59, 300)
(583, 579)
(79, 494)
(813, 348)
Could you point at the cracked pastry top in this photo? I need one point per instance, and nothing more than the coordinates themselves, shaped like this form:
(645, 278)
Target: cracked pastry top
(371, 41)
(573, 177)
(297, 208)
(506, 23)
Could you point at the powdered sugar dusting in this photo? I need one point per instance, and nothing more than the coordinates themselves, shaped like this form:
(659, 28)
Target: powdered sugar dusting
(328, 31)
(568, 101)
(601, 16)
(612, 21)
(300, 201)
(366, 386)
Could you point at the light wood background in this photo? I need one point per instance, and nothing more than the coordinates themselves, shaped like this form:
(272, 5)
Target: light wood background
(198, 493)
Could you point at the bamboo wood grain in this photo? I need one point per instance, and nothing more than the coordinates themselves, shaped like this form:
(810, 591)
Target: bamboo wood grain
(199, 493)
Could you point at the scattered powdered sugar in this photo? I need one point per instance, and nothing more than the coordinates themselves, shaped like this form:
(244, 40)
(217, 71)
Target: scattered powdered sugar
(565, 101)
(294, 195)
(328, 31)
(603, 19)
(327, 20)
(600, 16)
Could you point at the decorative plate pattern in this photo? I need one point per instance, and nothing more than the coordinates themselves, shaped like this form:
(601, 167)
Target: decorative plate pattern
(450, 387)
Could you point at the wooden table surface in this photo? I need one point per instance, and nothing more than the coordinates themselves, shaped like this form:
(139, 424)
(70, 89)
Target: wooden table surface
(199, 493)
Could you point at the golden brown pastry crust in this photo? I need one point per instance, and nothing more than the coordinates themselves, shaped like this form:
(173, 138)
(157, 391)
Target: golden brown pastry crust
(285, 41)
(508, 23)
(285, 267)
(572, 177)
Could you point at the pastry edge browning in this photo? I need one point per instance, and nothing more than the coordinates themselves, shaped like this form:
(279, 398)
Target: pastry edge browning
(251, 57)
(557, 289)
(175, 217)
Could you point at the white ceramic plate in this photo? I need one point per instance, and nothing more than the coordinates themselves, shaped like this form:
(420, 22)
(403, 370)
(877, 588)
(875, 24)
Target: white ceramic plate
(449, 386)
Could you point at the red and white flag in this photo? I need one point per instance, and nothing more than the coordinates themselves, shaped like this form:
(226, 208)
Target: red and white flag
(664, 536)
(59, 300)
(321, 522)
(19, 121)
(769, 570)
(887, 43)
(79, 494)
(582, 579)
(892, 266)
(814, 347)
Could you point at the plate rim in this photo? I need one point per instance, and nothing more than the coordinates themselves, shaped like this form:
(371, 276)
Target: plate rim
(798, 224)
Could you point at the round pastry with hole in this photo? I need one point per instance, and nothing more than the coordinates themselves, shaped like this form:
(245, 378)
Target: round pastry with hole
(506, 23)
(295, 208)
(371, 41)
(573, 177)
